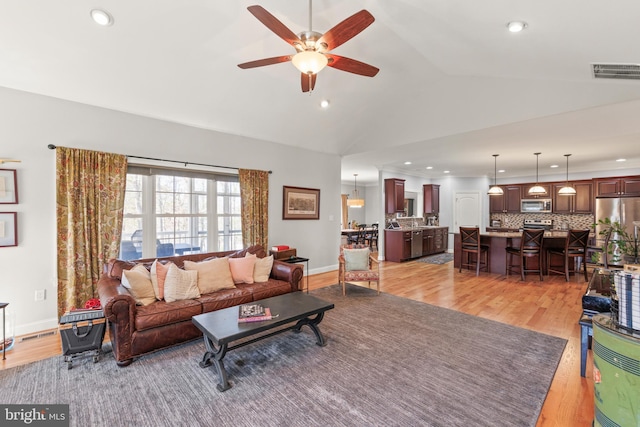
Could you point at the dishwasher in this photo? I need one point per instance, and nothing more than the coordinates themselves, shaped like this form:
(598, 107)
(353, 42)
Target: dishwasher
(416, 243)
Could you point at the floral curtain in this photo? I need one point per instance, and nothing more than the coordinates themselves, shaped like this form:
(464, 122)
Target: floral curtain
(89, 204)
(254, 193)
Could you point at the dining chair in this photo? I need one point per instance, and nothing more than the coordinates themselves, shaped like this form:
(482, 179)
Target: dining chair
(371, 236)
(477, 254)
(357, 264)
(530, 247)
(575, 248)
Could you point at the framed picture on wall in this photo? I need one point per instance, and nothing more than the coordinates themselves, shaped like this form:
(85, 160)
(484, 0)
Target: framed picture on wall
(300, 203)
(8, 229)
(8, 186)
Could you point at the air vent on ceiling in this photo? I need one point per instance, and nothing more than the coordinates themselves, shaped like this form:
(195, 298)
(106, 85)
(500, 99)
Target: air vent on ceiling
(616, 71)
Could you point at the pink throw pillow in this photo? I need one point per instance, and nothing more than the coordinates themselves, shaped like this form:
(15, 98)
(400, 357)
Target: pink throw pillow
(242, 269)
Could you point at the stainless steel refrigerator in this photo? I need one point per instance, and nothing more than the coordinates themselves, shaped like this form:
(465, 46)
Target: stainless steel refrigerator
(625, 210)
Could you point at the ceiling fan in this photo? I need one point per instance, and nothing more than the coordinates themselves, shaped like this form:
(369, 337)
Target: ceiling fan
(313, 47)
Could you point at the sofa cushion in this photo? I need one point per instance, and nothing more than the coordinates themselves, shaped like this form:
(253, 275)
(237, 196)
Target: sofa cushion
(224, 298)
(162, 313)
(158, 276)
(180, 284)
(138, 283)
(262, 269)
(267, 289)
(242, 269)
(213, 274)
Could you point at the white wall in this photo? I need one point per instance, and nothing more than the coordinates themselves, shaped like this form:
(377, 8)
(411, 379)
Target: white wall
(31, 122)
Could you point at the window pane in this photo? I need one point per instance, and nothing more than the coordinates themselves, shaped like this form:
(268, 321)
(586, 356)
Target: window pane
(164, 183)
(182, 184)
(182, 204)
(201, 203)
(164, 203)
(200, 185)
(234, 205)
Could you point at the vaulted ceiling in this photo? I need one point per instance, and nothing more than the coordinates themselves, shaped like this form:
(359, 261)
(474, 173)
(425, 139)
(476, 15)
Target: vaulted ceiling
(454, 87)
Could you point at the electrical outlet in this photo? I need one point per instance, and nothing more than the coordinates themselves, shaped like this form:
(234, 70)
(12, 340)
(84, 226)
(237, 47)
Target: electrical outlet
(41, 294)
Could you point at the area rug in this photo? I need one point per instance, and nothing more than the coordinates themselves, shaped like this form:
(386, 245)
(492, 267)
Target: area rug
(437, 258)
(388, 361)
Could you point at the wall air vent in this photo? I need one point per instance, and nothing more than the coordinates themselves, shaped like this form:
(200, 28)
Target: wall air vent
(616, 71)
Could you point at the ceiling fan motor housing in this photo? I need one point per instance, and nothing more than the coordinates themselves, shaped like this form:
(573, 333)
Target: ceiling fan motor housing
(309, 42)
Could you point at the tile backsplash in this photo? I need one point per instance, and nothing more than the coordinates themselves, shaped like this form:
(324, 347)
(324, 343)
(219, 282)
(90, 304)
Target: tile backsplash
(575, 221)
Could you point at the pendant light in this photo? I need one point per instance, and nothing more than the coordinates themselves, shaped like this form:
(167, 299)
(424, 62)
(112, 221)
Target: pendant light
(356, 202)
(537, 189)
(567, 190)
(495, 190)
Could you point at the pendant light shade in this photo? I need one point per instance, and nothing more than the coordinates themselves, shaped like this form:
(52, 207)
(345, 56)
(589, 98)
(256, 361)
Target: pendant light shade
(356, 201)
(537, 189)
(567, 190)
(495, 190)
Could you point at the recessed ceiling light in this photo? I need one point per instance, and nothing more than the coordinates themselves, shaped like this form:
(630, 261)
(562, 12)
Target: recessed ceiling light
(101, 17)
(621, 160)
(517, 26)
(324, 103)
(553, 166)
(429, 167)
(446, 172)
(501, 171)
(407, 163)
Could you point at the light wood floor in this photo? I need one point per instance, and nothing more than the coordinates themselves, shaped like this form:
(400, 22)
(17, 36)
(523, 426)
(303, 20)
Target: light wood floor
(552, 307)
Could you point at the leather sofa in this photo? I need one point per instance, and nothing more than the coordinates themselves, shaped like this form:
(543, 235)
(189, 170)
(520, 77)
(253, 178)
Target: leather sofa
(135, 330)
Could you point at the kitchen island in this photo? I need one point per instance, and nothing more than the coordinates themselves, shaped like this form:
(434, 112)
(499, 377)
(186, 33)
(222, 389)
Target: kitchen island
(499, 241)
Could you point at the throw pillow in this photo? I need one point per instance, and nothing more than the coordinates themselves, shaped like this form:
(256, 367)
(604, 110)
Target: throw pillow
(262, 269)
(138, 283)
(180, 284)
(356, 259)
(158, 275)
(213, 275)
(242, 269)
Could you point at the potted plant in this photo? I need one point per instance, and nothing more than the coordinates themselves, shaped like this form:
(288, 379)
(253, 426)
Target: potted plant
(622, 246)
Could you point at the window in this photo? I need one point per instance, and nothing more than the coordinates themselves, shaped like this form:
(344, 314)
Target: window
(169, 212)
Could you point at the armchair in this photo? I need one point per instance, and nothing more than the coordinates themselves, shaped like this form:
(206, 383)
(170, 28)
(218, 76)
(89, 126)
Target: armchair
(357, 264)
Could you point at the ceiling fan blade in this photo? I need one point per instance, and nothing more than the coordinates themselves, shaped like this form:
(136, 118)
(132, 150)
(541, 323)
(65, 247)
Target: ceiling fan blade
(347, 29)
(266, 61)
(272, 23)
(351, 65)
(308, 84)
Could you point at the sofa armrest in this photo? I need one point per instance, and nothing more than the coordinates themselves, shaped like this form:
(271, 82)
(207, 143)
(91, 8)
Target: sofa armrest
(120, 310)
(290, 273)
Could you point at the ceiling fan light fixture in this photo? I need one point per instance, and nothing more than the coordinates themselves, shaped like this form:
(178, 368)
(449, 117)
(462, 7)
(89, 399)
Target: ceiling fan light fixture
(309, 61)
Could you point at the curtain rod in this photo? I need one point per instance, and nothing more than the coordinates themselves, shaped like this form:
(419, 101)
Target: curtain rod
(53, 147)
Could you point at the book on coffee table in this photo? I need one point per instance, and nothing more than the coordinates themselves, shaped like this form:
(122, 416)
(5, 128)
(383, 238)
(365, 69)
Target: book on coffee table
(250, 310)
(266, 316)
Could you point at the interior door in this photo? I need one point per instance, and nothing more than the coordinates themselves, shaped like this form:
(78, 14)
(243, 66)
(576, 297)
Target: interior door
(467, 211)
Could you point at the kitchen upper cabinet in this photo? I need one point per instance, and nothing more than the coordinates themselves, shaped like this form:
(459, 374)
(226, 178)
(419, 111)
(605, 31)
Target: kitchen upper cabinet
(508, 202)
(526, 195)
(581, 202)
(431, 194)
(616, 187)
(394, 195)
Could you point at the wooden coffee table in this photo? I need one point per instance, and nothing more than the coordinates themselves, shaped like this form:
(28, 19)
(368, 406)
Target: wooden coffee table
(221, 328)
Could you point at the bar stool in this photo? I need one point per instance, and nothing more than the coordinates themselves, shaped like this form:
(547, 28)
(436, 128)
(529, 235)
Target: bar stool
(575, 247)
(470, 240)
(530, 247)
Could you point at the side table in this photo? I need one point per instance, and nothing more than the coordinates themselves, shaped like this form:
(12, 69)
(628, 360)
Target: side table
(298, 260)
(4, 330)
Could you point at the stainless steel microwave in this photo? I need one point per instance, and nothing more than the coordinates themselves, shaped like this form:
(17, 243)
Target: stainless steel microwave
(535, 205)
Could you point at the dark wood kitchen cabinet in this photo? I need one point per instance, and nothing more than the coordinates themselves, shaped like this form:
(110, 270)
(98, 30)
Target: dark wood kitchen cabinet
(397, 245)
(508, 202)
(428, 238)
(431, 193)
(441, 240)
(394, 195)
(617, 187)
(582, 202)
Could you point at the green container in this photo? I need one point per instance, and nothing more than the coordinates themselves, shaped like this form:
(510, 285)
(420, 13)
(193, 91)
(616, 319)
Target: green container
(616, 359)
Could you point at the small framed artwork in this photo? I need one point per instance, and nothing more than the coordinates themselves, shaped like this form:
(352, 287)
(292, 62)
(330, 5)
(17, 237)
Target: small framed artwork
(300, 203)
(8, 229)
(8, 186)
